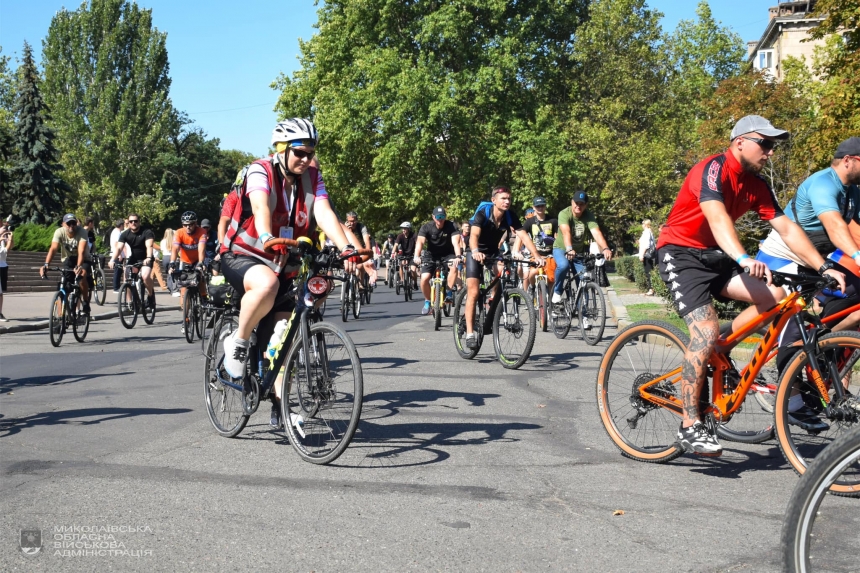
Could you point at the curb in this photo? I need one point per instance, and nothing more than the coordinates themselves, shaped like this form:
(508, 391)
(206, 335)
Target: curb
(44, 324)
(618, 309)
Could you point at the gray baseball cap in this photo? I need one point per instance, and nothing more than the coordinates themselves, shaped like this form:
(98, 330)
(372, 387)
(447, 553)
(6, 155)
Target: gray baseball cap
(850, 146)
(69, 217)
(757, 124)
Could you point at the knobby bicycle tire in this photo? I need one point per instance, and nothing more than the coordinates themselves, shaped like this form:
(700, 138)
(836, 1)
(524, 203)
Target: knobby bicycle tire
(799, 544)
(638, 354)
(460, 326)
(800, 446)
(514, 328)
(321, 414)
(127, 308)
(188, 315)
(80, 319)
(592, 313)
(223, 402)
(57, 319)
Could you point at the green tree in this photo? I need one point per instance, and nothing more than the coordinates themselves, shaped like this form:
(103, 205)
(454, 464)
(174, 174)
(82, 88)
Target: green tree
(37, 191)
(422, 103)
(107, 82)
(7, 127)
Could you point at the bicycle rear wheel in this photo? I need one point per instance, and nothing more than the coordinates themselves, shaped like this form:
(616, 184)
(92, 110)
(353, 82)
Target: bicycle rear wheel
(437, 295)
(540, 292)
(100, 286)
(80, 320)
(188, 315)
(56, 326)
(127, 306)
(148, 310)
(460, 326)
(813, 535)
(223, 396)
(639, 354)
(514, 328)
(321, 413)
(592, 313)
(803, 439)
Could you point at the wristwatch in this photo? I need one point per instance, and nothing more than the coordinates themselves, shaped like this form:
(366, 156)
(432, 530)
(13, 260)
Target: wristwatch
(825, 267)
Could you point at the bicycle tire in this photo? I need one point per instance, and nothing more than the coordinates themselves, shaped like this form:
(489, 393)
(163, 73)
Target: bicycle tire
(407, 290)
(367, 291)
(591, 308)
(542, 306)
(223, 402)
(58, 316)
(562, 318)
(752, 423)
(447, 304)
(198, 316)
(460, 327)
(127, 308)
(800, 446)
(355, 299)
(147, 311)
(344, 301)
(80, 320)
(516, 306)
(100, 286)
(397, 284)
(325, 410)
(661, 348)
(188, 316)
(437, 307)
(798, 541)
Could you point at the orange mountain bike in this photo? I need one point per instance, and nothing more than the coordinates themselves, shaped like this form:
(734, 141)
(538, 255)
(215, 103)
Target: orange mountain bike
(638, 384)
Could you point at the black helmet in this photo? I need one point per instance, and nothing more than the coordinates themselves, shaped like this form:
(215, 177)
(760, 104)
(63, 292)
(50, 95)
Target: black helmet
(189, 217)
(391, 235)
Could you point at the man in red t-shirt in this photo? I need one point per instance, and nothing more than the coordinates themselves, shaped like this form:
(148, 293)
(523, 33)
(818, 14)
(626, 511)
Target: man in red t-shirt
(700, 256)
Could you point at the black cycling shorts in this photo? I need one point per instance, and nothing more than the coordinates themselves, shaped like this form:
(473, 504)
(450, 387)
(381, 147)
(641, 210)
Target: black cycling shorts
(428, 264)
(132, 260)
(695, 276)
(474, 269)
(235, 267)
(72, 262)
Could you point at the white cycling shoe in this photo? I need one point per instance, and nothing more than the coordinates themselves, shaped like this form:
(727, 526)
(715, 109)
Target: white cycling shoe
(235, 354)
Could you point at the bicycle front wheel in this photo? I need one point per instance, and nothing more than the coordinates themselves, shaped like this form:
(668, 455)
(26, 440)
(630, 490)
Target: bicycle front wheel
(321, 411)
(148, 310)
(56, 327)
(803, 435)
(641, 353)
(561, 316)
(514, 328)
(198, 316)
(592, 313)
(813, 535)
(540, 293)
(355, 299)
(100, 286)
(437, 295)
(460, 327)
(188, 316)
(127, 306)
(223, 395)
(80, 320)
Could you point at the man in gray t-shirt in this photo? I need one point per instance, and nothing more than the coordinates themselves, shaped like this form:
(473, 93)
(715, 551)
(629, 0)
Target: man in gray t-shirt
(71, 241)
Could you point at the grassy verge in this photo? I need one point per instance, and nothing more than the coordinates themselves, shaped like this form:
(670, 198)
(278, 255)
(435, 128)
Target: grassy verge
(656, 311)
(622, 285)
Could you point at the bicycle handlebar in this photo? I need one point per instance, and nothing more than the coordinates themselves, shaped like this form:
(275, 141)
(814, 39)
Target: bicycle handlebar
(804, 282)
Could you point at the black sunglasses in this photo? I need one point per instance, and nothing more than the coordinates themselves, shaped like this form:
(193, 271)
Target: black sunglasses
(72, 223)
(132, 221)
(766, 144)
(303, 154)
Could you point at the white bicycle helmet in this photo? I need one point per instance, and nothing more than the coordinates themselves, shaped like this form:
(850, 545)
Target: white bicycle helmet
(406, 225)
(295, 129)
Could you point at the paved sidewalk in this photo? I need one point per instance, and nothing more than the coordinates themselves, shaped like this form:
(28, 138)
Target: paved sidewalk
(29, 310)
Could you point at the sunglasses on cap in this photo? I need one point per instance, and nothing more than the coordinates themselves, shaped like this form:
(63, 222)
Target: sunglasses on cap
(303, 154)
(766, 144)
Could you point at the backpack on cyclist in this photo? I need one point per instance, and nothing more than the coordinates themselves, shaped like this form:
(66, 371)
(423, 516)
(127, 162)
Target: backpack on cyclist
(487, 208)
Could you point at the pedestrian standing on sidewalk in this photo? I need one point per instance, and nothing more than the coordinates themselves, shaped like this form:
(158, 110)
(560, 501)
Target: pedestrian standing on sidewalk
(119, 227)
(647, 252)
(166, 247)
(5, 247)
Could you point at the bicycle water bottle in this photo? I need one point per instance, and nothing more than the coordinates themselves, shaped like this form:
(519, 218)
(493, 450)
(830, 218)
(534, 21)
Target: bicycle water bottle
(276, 340)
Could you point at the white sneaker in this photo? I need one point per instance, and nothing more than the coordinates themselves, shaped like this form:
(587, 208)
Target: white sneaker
(235, 353)
(176, 294)
(586, 324)
(556, 298)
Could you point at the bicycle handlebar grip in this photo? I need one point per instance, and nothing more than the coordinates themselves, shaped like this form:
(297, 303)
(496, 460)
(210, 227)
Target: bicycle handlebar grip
(836, 293)
(278, 241)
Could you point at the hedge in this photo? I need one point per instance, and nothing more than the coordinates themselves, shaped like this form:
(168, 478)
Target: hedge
(31, 237)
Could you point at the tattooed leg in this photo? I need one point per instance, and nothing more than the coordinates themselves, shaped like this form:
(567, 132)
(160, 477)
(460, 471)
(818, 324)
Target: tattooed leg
(704, 331)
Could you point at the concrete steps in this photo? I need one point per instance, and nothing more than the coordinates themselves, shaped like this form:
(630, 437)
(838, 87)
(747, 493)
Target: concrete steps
(24, 272)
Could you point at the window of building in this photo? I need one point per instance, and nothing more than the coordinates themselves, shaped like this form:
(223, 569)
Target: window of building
(764, 60)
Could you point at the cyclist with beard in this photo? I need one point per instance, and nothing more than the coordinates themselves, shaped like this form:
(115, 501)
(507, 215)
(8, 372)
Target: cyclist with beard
(700, 256)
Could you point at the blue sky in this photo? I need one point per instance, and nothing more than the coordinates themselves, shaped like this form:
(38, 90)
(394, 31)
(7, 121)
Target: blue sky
(225, 54)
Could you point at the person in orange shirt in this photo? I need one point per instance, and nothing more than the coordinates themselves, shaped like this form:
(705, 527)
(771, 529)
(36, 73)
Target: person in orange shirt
(189, 244)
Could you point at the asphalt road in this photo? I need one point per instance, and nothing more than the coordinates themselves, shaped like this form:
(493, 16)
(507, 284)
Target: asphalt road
(457, 466)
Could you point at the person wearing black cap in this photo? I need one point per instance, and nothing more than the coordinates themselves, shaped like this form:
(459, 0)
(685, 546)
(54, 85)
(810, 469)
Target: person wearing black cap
(699, 256)
(71, 240)
(542, 232)
(440, 235)
(211, 249)
(572, 240)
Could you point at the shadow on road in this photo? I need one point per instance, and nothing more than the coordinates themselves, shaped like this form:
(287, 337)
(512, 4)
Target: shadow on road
(7, 384)
(393, 402)
(733, 463)
(384, 362)
(11, 426)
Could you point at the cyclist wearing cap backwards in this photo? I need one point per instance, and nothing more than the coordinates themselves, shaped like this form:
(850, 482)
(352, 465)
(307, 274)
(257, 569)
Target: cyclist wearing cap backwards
(572, 240)
(280, 196)
(542, 231)
(405, 246)
(489, 224)
(440, 236)
(699, 256)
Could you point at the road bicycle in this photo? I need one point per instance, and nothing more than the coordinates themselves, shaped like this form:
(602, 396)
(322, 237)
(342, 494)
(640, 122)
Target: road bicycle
(99, 281)
(813, 534)
(638, 383)
(132, 298)
(350, 297)
(67, 308)
(511, 311)
(316, 363)
(193, 313)
(585, 302)
(440, 303)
